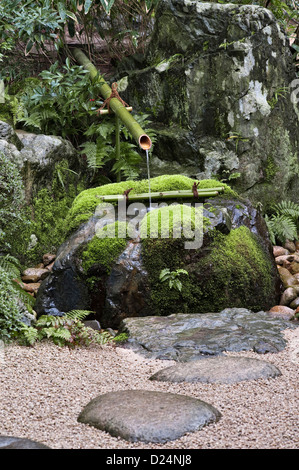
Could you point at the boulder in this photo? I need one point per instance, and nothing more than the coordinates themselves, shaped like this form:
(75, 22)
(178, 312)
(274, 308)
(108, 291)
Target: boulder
(282, 311)
(119, 277)
(36, 156)
(147, 416)
(288, 295)
(241, 124)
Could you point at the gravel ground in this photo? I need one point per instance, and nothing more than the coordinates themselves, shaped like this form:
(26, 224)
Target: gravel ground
(44, 388)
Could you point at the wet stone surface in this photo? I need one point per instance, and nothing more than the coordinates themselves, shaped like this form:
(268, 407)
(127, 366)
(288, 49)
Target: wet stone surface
(219, 369)
(188, 337)
(10, 442)
(148, 416)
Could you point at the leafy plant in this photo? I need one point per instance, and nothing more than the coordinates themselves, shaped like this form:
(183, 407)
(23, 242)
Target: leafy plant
(237, 137)
(279, 92)
(68, 330)
(100, 149)
(283, 224)
(12, 216)
(15, 303)
(61, 104)
(173, 278)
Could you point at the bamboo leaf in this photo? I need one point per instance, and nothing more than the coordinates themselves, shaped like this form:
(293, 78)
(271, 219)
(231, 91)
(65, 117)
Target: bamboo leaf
(87, 6)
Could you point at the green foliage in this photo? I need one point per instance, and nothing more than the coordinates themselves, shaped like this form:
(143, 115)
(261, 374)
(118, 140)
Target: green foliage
(10, 316)
(278, 93)
(44, 26)
(283, 224)
(100, 150)
(14, 301)
(61, 104)
(68, 330)
(45, 219)
(121, 338)
(172, 278)
(12, 214)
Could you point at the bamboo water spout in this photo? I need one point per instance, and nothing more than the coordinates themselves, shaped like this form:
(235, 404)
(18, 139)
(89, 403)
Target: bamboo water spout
(117, 107)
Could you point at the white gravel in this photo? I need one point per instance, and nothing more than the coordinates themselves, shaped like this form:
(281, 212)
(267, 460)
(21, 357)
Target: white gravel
(44, 388)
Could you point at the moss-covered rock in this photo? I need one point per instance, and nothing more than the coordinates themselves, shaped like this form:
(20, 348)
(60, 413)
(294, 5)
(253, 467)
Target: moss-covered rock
(87, 201)
(120, 276)
(104, 248)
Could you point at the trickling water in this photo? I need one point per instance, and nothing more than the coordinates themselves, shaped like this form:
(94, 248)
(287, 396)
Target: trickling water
(149, 180)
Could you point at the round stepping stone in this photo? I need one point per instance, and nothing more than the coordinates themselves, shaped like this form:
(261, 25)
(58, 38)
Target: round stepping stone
(148, 416)
(11, 442)
(218, 369)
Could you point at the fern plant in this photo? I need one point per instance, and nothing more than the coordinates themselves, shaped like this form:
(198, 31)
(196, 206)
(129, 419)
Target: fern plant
(99, 149)
(283, 224)
(12, 268)
(68, 330)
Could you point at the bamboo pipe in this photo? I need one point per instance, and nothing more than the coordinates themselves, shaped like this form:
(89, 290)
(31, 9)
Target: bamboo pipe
(119, 109)
(208, 192)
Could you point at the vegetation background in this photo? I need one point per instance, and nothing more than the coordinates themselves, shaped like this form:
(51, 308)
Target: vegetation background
(46, 92)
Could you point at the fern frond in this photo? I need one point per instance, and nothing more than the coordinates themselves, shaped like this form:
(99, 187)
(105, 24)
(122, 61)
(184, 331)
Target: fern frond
(29, 335)
(10, 265)
(104, 337)
(288, 208)
(282, 228)
(78, 314)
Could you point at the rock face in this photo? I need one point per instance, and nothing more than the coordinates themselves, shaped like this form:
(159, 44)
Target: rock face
(233, 267)
(226, 370)
(35, 155)
(219, 83)
(139, 415)
(188, 337)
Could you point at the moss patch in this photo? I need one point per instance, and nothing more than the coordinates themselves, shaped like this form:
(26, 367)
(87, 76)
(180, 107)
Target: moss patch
(104, 248)
(86, 202)
(230, 271)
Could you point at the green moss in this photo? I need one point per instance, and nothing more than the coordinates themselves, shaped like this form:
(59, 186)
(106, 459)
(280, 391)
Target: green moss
(46, 217)
(87, 201)
(271, 169)
(174, 221)
(104, 248)
(234, 272)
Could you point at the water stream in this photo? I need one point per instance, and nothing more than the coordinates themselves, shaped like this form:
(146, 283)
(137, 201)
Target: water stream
(149, 180)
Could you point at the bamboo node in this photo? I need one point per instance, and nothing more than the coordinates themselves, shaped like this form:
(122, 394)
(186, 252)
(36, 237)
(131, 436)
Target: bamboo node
(114, 94)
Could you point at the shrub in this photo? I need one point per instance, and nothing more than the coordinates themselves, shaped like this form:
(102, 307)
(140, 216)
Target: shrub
(11, 201)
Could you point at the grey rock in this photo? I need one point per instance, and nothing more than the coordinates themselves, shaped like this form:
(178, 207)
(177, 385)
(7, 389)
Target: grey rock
(36, 156)
(10, 442)
(94, 324)
(230, 124)
(219, 369)
(147, 416)
(7, 133)
(189, 337)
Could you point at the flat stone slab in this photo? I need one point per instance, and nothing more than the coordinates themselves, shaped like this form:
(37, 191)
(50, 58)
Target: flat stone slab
(11, 442)
(187, 337)
(218, 369)
(147, 416)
